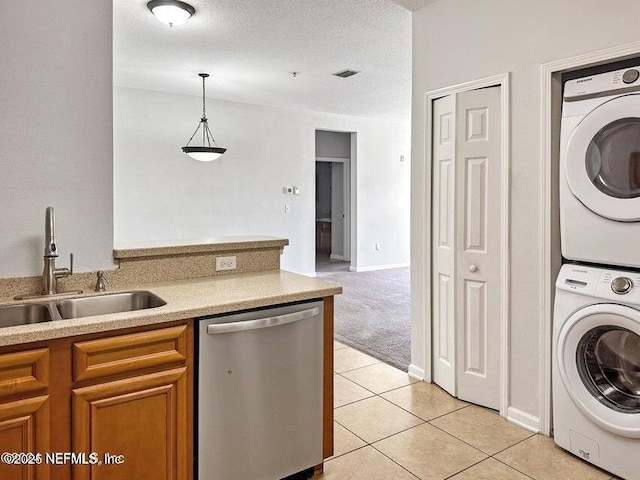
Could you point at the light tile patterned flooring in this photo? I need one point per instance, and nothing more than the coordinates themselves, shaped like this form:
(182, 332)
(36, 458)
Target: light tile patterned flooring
(388, 426)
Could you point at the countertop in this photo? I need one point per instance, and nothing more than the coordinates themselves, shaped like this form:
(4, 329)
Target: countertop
(185, 299)
(197, 245)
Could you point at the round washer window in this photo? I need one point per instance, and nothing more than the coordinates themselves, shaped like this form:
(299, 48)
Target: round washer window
(608, 360)
(613, 159)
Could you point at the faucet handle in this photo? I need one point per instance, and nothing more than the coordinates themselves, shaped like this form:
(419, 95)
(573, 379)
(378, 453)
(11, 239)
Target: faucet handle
(71, 264)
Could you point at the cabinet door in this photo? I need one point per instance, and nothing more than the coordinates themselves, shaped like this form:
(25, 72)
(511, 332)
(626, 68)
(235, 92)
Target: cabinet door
(24, 428)
(143, 419)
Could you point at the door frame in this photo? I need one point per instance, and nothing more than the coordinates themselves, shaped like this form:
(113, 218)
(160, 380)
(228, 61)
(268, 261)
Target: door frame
(550, 251)
(501, 81)
(351, 196)
(346, 198)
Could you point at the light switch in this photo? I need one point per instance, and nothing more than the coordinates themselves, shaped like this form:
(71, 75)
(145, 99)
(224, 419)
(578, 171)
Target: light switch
(287, 208)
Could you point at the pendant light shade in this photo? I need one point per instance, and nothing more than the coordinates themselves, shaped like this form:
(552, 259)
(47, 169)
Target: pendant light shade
(171, 12)
(207, 152)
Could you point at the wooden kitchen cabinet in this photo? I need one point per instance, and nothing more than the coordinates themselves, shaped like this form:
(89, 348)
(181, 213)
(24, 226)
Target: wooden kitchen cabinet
(141, 419)
(127, 393)
(24, 411)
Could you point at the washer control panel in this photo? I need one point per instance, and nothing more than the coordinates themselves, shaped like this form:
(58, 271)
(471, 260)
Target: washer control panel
(603, 84)
(621, 285)
(599, 282)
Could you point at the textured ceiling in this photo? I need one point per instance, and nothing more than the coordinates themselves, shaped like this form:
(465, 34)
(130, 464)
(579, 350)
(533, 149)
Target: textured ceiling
(250, 46)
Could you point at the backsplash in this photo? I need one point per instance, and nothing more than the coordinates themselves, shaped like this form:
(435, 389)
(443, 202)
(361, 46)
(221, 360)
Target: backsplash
(168, 263)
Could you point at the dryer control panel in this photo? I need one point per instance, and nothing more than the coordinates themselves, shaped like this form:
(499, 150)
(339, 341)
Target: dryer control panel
(600, 283)
(603, 84)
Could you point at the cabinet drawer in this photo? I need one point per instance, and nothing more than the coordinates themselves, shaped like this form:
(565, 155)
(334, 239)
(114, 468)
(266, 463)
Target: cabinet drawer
(129, 353)
(23, 372)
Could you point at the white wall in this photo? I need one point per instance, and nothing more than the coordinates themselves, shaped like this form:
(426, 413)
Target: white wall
(162, 194)
(333, 144)
(492, 37)
(56, 117)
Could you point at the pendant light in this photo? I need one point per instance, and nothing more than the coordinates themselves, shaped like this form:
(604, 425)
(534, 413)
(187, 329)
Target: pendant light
(171, 12)
(205, 153)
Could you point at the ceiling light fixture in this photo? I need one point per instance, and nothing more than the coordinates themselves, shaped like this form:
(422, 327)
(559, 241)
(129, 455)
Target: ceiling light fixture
(345, 73)
(205, 153)
(171, 12)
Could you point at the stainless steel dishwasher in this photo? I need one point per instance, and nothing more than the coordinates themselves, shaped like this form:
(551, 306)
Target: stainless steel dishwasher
(259, 393)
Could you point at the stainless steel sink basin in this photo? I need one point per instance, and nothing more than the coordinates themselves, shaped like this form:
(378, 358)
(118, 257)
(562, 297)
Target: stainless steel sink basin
(111, 303)
(24, 313)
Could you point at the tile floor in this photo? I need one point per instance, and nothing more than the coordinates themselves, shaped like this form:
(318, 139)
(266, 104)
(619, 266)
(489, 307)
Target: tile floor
(388, 426)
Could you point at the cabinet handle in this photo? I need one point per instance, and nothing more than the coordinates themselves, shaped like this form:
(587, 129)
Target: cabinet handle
(230, 327)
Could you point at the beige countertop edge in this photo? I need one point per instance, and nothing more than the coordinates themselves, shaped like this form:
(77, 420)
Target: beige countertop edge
(185, 299)
(155, 251)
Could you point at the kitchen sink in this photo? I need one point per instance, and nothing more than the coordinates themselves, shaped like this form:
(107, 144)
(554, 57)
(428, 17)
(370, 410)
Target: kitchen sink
(24, 313)
(110, 303)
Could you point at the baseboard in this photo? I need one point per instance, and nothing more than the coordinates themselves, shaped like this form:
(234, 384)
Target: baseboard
(416, 372)
(523, 419)
(378, 267)
(337, 257)
(312, 274)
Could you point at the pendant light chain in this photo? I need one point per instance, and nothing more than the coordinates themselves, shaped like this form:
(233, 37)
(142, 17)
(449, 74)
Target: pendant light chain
(204, 114)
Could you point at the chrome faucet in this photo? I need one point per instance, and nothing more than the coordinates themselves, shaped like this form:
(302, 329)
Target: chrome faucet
(50, 274)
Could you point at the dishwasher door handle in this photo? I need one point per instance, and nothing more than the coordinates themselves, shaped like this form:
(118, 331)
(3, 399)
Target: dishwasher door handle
(241, 326)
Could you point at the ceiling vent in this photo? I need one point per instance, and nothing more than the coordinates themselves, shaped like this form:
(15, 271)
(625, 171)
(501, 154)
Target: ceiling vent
(345, 73)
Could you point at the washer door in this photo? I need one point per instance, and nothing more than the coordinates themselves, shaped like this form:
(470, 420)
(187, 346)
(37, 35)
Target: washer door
(602, 165)
(598, 359)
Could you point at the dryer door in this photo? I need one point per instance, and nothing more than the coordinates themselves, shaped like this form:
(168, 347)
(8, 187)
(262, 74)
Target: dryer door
(598, 359)
(602, 163)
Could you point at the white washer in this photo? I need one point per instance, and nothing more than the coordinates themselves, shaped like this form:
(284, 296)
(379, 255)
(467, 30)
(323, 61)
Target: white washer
(600, 169)
(596, 367)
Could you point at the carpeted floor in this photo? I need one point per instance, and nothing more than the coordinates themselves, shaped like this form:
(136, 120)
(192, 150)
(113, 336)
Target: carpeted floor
(374, 311)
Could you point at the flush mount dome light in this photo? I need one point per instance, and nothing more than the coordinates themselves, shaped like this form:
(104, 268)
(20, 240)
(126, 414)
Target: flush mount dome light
(206, 152)
(171, 12)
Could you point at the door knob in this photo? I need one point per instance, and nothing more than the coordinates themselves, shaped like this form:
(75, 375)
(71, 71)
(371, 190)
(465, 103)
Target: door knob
(473, 269)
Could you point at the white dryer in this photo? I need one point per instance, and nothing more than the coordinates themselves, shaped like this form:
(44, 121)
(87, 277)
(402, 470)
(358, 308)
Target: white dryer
(600, 169)
(596, 367)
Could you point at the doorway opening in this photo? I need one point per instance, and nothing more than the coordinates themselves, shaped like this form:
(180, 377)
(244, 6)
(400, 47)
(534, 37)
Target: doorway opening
(334, 151)
(372, 316)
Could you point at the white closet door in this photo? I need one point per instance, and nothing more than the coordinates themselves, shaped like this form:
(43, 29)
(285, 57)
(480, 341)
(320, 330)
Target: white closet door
(478, 158)
(443, 247)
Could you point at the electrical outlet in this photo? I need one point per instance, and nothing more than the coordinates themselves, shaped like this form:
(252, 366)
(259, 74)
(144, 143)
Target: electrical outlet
(225, 263)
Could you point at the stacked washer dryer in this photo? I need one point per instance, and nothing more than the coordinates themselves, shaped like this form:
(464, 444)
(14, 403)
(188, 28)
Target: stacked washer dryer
(596, 331)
